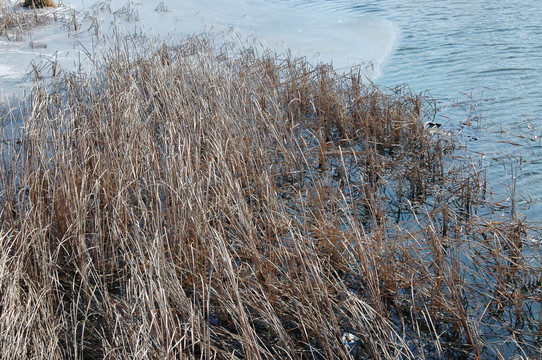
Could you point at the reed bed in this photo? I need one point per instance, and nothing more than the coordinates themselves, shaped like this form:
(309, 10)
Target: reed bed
(223, 202)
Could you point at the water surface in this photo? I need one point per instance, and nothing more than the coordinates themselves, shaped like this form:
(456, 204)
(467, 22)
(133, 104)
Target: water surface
(482, 62)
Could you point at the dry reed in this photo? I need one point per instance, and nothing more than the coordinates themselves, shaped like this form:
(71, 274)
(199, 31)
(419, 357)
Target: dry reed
(38, 3)
(206, 201)
(15, 22)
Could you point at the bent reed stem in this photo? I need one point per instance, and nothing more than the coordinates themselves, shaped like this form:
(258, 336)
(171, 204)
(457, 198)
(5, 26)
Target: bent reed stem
(204, 201)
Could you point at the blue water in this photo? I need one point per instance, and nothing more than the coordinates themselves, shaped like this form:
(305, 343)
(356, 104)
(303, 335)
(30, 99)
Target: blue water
(482, 63)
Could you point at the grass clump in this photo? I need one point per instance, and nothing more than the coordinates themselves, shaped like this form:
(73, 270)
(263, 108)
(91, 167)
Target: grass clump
(212, 202)
(14, 23)
(38, 3)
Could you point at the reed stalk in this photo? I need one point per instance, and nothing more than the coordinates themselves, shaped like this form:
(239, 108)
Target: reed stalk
(220, 201)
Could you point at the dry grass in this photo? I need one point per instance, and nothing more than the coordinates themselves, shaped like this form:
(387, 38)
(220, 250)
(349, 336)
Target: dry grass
(38, 3)
(213, 202)
(15, 21)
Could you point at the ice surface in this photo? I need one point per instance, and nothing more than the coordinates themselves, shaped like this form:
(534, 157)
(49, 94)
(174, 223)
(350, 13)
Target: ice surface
(339, 38)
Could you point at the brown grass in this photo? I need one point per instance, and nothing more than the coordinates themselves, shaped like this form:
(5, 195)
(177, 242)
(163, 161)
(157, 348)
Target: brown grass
(38, 3)
(212, 202)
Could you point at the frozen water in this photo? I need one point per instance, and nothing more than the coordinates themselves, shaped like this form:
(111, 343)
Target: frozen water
(333, 37)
